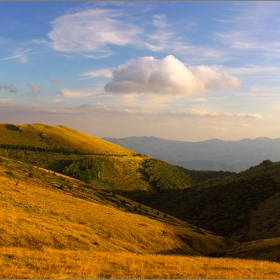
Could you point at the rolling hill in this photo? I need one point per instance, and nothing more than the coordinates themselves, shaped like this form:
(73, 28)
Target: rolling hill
(267, 249)
(53, 226)
(91, 159)
(38, 212)
(243, 207)
(64, 191)
(58, 138)
(48, 220)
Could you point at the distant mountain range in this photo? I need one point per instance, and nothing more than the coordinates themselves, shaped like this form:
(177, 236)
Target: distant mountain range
(212, 154)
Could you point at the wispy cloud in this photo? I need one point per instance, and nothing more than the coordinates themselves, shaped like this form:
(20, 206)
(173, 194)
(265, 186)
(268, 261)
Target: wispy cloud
(255, 27)
(5, 100)
(10, 88)
(62, 109)
(237, 124)
(167, 37)
(57, 81)
(159, 21)
(105, 108)
(265, 70)
(94, 32)
(19, 55)
(91, 31)
(249, 41)
(219, 129)
(98, 73)
(75, 93)
(205, 113)
(35, 89)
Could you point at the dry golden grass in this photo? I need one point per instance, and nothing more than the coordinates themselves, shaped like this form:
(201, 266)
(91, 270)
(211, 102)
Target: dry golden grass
(50, 263)
(61, 136)
(264, 249)
(35, 215)
(120, 165)
(48, 233)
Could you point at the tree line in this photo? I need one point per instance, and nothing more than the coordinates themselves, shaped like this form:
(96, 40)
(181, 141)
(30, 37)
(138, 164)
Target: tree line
(60, 150)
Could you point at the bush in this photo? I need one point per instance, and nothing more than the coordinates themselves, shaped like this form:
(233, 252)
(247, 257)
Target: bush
(85, 169)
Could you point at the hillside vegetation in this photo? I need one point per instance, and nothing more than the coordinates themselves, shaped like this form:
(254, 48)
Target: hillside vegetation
(46, 210)
(267, 249)
(53, 226)
(49, 221)
(243, 207)
(65, 192)
(91, 159)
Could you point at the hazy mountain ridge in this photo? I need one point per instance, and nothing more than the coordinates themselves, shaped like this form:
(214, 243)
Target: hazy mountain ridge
(215, 154)
(207, 165)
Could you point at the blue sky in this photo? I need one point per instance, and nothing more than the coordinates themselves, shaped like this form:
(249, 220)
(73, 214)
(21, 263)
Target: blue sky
(187, 71)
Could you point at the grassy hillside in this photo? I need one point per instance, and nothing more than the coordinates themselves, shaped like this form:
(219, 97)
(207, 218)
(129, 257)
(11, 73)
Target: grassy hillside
(49, 136)
(55, 264)
(163, 176)
(243, 207)
(264, 249)
(91, 159)
(123, 212)
(46, 210)
(53, 226)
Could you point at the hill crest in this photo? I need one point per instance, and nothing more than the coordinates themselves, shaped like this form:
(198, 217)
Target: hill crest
(42, 135)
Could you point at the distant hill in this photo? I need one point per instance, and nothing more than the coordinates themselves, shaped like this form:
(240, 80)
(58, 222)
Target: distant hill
(91, 159)
(46, 210)
(212, 154)
(207, 165)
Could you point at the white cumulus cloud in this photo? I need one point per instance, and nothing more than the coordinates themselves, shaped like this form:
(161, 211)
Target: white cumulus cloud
(212, 79)
(167, 76)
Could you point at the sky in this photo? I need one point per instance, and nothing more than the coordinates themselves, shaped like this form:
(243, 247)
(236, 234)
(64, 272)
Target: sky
(188, 71)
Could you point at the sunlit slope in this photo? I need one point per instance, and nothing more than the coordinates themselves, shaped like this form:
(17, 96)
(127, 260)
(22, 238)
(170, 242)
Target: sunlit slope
(41, 135)
(264, 249)
(22, 263)
(36, 214)
(93, 160)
